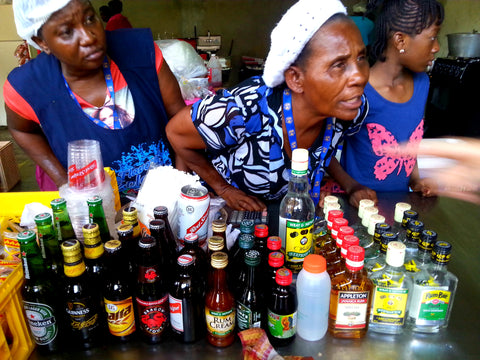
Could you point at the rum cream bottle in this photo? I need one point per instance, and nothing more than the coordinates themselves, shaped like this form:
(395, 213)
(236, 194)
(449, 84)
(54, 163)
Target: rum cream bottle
(297, 213)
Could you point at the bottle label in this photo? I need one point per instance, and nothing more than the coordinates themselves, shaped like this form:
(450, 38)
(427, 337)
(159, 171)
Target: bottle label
(220, 323)
(42, 322)
(153, 315)
(429, 306)
(74, 269)
(298, 237)
(176, 313)
(93, 251)
(148, 274)
(351, 309)
(282, 326)
(120, 316)
(389, 306)
(82, 315)
(246, 318)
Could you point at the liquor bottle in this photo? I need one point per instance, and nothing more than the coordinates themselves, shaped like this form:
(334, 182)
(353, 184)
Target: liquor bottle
(118, 293)
(61, 220)
(413, 234)
(408, 215)
(93, 257)
(161, 212)
(261, 236)
(373, 251)
(433, 293)
(378, 263)
(167, 254)
(49, 245)
(367, 241)
(392, 293)
(245, 243)
(423, 258)
(340, 267)
(96, 215)
(187, 302)
(350, 298)
(297, 213)
(42, 304)
(341, 233)
(276, 261)
(282, 310)
(326, 245)
(81, 304)
(337, 224)
(313, 296)
(129, 246)
(361, 231)
(215, 243)
(151, 295)
(274, 244)
(220, 305)
(400, 208)
(130, 217)
(192, 247)
(219, 228)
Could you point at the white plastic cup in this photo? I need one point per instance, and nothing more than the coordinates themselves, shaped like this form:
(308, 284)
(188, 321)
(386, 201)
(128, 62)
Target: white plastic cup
(313, 297)
(85, 164)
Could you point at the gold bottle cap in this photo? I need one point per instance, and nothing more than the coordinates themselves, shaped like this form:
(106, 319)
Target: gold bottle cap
(219, 225)
(219, 260)
(130, 215)
(72, 258)
(91, 230)
(125, 228)
(215, 243)
(113, 245)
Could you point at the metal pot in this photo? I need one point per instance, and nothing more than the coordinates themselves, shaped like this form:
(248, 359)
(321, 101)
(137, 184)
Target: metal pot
(466, 45)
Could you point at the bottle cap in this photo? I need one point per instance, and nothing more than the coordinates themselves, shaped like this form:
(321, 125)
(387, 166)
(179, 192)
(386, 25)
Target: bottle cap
(299, 161)
(276, 259)
(342, 232)
(329, 200)
(337, 224)
(156, 224)
(261, 230)
(185, 260)
(219, 225)
(395, 253)
(274, 243)
(348, 240)
(26, 236)
(219, 260)
(160, 211)
(190, 238)
(72, 258)
(58, 203)
(247, 226)
(91, 231)
(407, 216)
(215, 243)
(367, 213)
(314, 263)
(252, 258)
(355, 258)
(94, 200)
(130, 214)
(374, 220)
(246, 241)
(362, 204)
(112, 246)
(380, 228)
(283, 277)
(400, 208)
(125, 229)
(329, 207)
(427, 240)
(414, 230)
(43, 219)
(386, 238)
(147, 242)
(441, 252)
(333, 214)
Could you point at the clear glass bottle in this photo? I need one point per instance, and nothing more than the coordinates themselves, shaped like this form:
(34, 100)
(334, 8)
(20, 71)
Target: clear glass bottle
(61, 220)
(373, 251)
(378, 263)
(367, 241)
(49, 245)
(296, 213)
(423, 257)
(400, 208)
(408, 215)
(433, 293)
(361, 231)
(414, 231)
(392, 292)
(350, 298)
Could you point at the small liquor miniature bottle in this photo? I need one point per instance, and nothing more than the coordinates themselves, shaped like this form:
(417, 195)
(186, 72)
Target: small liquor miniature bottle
(400, 208)
(374, 251)
(339, 268)
(367, 241)
(423, 258)
(378, 263)
(413, 234)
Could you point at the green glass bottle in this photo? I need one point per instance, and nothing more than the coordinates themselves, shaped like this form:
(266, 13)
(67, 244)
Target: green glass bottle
(61, 220)
(96, 215)
(49, 245)
(41, 302)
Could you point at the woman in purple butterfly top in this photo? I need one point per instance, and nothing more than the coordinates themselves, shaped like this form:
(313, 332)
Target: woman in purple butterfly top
(405, 44)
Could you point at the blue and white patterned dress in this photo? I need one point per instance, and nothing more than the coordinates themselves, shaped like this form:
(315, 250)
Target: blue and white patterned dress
(242, 128)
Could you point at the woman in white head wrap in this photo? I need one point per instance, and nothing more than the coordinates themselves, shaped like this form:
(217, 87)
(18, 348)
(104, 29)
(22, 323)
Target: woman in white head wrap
(315, 72)
(56, 97)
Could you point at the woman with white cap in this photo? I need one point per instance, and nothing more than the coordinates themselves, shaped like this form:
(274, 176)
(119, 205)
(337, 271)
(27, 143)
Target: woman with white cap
(59, 96)
(315, 72)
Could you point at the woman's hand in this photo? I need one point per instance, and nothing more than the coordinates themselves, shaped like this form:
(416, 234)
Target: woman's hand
(238, 200)
(428, 187)
(359, 192)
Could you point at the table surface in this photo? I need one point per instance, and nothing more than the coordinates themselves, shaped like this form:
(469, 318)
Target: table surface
(455, 221)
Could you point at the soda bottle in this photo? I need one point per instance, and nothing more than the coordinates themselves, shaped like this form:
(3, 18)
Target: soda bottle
(161, 212)
(130, 217)
(167, 254)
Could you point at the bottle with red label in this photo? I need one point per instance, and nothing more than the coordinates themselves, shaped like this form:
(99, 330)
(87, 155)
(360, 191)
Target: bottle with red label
(186, 302)
(151, 293)
(118, 294)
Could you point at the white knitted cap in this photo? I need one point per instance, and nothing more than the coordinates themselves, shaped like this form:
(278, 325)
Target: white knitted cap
(293, 31)
(30, 15)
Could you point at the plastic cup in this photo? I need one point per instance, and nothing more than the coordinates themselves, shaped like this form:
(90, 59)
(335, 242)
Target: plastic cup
(85, 164)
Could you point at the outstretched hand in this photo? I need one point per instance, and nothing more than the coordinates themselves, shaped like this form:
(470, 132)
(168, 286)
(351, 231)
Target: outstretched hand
(361, 192)
(238, 200)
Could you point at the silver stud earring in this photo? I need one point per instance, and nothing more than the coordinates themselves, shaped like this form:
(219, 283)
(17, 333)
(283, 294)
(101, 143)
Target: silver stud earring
(402, 51)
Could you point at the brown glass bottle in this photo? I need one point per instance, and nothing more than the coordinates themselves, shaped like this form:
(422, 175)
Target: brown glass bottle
(220, 305)
(350, 298)
(129, 246)
(339, 268)
(276, 260)
(161, 212)
(261, 236)
(130, 217)
(167, 255)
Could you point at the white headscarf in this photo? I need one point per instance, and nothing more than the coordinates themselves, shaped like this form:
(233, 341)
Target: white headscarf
(294, 30)
(30, 15)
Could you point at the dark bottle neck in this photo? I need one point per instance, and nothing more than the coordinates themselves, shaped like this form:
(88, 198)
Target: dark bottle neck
(33, 264)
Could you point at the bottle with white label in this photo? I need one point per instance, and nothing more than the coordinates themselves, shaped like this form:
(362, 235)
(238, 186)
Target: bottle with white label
(433, 293)
(296, 214)
(392, 293)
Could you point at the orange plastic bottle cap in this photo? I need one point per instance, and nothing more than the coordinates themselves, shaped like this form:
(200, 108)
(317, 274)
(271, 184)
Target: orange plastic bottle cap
(314, 263)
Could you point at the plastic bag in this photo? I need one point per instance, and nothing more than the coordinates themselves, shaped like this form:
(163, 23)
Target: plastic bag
(187, 66)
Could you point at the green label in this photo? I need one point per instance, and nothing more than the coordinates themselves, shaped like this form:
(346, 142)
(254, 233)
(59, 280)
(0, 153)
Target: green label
(246, 318)
(429, 305)
(42, 322)
(282, 326)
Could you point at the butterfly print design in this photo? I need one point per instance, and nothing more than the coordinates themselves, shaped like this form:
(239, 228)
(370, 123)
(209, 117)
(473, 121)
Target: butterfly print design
(385, 145)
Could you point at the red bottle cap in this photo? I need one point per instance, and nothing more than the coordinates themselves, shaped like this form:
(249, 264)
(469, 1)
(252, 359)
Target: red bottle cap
(283, 277)
(355, 257)
(342, 232)
(276, 259)
(333, 214)
(348, 240)
(190, 237)
(337, 224)
(274, 243)
(314, 263)
(261, 230)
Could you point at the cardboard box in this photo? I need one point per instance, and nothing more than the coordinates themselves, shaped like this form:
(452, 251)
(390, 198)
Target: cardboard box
(9, 174)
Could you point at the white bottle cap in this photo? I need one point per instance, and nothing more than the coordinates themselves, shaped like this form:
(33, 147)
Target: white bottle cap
(329, 199)
(367, 213)
(395, 253)
(326, 210)
(399, 209)
(362, 205)
(374, 220)
(300, 160)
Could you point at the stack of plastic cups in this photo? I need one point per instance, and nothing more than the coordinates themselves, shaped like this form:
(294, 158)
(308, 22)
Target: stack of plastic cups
(86, 178)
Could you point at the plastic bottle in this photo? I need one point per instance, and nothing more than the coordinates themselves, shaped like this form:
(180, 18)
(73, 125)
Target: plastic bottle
(313, 297)
(214, 71)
